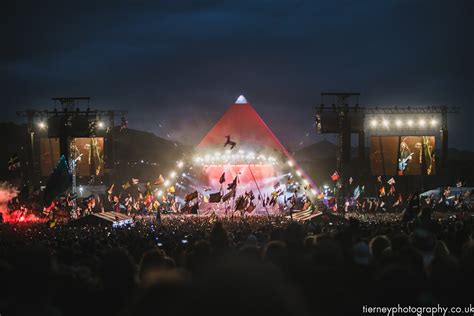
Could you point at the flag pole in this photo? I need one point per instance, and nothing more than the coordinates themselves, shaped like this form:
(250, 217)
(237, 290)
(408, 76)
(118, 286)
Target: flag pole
(258, 188)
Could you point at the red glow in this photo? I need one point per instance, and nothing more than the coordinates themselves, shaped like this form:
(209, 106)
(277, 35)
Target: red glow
(18, 216)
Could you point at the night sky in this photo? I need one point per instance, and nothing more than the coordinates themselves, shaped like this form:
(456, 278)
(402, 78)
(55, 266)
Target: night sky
(176, 65)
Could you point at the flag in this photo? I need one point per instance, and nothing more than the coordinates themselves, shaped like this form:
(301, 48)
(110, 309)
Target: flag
(171, 189)
(382, 191)
(250, 208)
(191, 196)
(356, 192)
(126, 185)
(222, 178)
(228, 195)
(391, 181)
(59, 181)
(240, 203)
(148, 189)
(13, 163)
(159, 180)
(215, 197)
(232, 185)
(335, 176)
(111, 189)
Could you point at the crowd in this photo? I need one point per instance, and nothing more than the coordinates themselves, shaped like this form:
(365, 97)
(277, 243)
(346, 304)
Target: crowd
(255, 265)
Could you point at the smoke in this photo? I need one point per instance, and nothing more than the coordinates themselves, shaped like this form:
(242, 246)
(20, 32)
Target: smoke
(7, 193)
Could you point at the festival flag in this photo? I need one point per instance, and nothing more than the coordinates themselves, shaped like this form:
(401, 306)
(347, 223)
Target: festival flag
(159, 181)
(215, 197)
(250, 208)
(222, 178)
(14, 163)
(335, 176)
(228, 195)
(232, 185)
(382, 191)
(240, 203)
(59, 181)
(356, 192)
(148, 189)
(111, 189)
(191, 196)
(391, 190)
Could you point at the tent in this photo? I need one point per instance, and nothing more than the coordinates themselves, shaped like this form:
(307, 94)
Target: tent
(252, 151)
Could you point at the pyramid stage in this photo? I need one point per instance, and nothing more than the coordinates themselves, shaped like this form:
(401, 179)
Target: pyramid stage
(240, 165)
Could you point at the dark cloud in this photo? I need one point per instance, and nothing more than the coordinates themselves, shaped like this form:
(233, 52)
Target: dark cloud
(183, 62)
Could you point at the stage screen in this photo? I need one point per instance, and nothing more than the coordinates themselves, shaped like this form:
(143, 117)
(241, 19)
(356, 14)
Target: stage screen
(49, 155)
(402, 155)
(91, 162)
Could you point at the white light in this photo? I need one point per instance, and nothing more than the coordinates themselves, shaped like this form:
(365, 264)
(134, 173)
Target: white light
(172, 174)
(290, 163)
(180, 164)
(434, 122)
(326, 186)
(298, 173)
(81, 189)
(305, 182)
(166, 183)
(42, 125)
(373, 123)
(422, 122)
(100, 124)
(385, 123)
(313, 191)
(159, 193)
(398, 122)
(184, 174)
(410, 123)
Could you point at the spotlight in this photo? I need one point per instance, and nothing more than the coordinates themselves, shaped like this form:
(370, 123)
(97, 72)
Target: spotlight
(166, 183)
(410, 123)
(42, 125)
(100, 125)
(434, 122)
(290, 163)
(398, 122)
(180, 164)
(385, 123)
(172, 174)
(422, 122)
(159, 193)
(298, 173)
(373, 123)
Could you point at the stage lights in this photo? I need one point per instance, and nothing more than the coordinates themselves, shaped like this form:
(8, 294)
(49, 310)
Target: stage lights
(172, 174)
(42, 125)
(180, 164)
(100, 125)
(397, 123)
